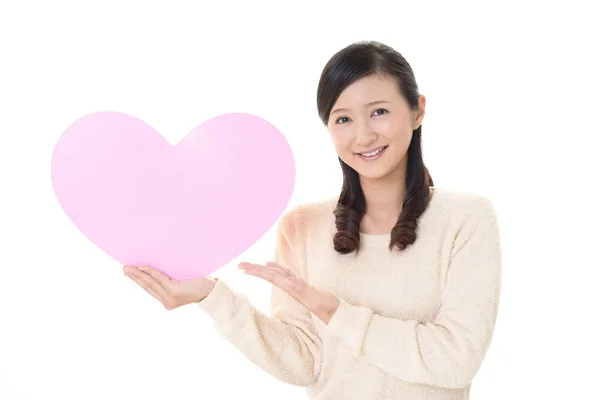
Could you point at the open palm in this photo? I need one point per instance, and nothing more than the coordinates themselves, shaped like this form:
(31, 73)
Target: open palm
(170, 292)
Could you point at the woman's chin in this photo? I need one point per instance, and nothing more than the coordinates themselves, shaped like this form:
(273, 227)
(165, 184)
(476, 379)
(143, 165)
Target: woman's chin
(378, 172)
(372, 174)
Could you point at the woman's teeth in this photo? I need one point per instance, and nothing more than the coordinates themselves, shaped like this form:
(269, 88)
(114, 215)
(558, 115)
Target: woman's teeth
(373, 153)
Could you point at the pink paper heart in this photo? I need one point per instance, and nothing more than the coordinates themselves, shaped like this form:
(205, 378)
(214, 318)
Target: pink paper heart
(186, 210)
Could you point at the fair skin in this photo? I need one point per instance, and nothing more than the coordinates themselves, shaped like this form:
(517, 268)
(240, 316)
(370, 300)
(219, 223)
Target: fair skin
(357, 124)
(368, 115)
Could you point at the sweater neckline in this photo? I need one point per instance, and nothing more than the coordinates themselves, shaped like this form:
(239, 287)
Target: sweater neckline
(367, 239)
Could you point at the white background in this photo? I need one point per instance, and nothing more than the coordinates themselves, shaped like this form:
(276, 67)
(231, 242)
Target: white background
(512, 113)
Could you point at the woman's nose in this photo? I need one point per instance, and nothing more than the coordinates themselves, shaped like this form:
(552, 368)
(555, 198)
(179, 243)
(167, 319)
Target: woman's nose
(365, 135)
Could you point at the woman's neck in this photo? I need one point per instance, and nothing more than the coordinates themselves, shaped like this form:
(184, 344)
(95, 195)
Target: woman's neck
(384, 198)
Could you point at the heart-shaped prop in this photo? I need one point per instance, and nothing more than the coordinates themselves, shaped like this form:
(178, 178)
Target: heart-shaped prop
(186, 210)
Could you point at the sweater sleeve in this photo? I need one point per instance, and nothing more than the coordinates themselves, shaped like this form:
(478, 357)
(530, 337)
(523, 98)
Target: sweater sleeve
(284, 343)
(448, 351)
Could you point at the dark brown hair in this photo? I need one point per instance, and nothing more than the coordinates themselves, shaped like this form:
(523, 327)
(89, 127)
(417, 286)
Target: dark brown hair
(345, 67)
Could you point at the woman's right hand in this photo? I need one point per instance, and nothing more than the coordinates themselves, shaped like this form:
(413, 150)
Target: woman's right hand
(171, 293)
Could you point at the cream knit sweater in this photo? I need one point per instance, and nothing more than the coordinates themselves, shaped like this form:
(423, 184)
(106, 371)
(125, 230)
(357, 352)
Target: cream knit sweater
(412, 325)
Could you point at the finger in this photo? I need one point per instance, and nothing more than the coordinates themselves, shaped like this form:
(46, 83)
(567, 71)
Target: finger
(291, 281)
(246, 267)
(291, 284)
(273, 269)
(270, 267)
(270, 274)
(161, 278)
(285, 271)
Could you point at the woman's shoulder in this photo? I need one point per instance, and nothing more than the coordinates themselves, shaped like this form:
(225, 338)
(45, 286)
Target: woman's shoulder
(462, 199)
(303, 218)
(457, 206)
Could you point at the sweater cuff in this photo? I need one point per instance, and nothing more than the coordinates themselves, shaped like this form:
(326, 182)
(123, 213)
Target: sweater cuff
(225, 307)
(349, 323)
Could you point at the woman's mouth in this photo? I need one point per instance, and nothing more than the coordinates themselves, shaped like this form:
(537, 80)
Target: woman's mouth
(372, 154)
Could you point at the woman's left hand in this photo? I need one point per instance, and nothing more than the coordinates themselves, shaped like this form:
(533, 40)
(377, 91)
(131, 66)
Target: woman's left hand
(322, 304)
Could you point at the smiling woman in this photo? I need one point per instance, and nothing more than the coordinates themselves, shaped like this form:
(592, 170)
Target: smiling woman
(411, 313)
(369, 100)
(361, 130)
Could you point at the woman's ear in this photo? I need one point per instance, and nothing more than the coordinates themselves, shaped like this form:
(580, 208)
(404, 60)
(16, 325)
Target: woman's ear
(420, 113)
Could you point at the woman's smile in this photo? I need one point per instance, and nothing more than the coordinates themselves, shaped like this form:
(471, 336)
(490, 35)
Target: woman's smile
(373, 154)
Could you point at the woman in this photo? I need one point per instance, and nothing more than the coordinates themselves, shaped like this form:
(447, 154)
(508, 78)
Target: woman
(390, 291)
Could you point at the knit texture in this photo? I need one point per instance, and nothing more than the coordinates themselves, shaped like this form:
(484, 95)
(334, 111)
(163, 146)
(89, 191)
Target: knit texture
(414, 324)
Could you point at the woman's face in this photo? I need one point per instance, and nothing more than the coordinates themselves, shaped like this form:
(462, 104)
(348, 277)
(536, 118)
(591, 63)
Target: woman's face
(371, 126)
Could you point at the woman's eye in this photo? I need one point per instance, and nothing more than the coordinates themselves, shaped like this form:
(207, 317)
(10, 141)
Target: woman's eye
(380, 111)
(339, 120)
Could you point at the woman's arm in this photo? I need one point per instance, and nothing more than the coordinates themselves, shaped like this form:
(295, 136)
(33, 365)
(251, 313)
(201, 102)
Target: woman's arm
(284, 344)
